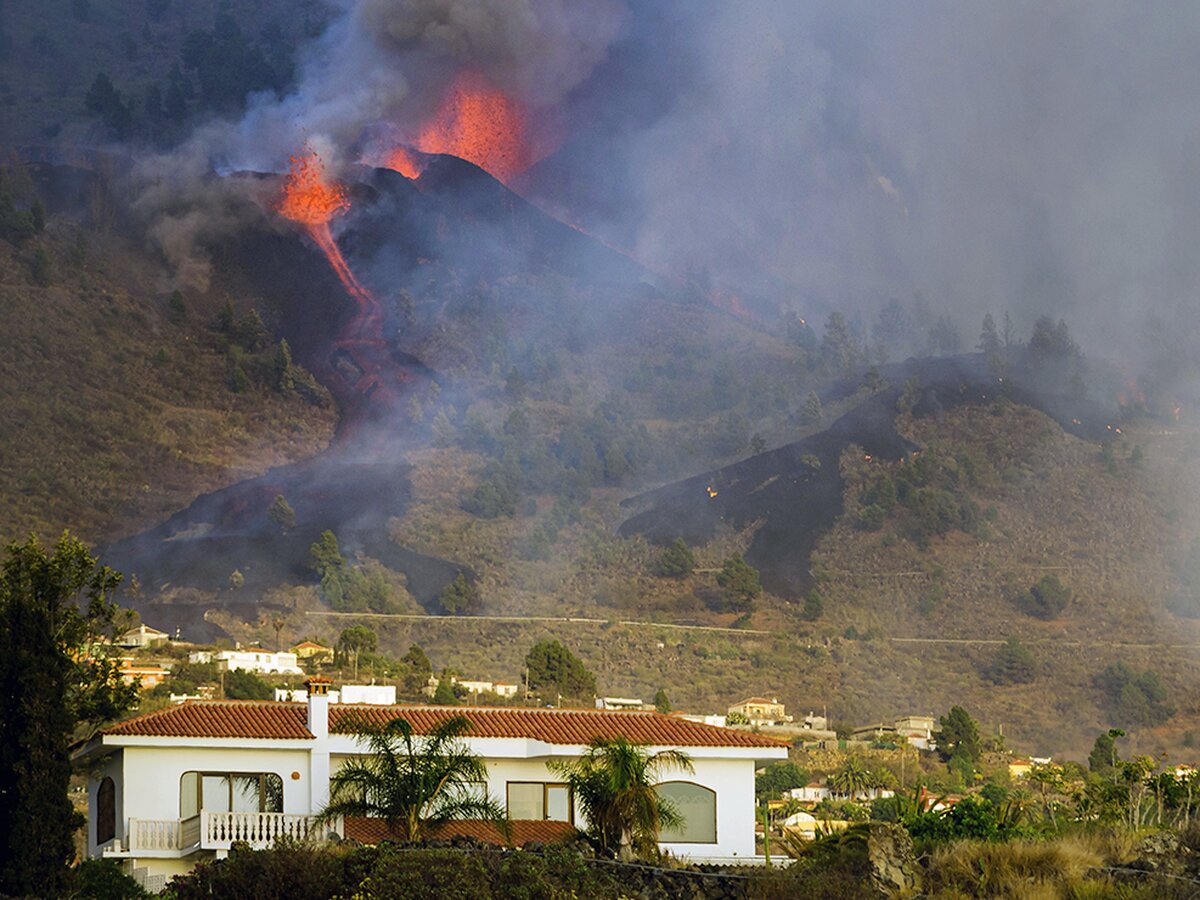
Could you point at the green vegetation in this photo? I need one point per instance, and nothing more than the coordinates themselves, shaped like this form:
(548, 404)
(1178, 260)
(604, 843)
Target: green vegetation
(613, 783)
(739, 583)
(553, 671)
(1047, 599)
(344, 587)
(1134, 698)
(415, 784)
(460, 598)
(241, 684)
(1013, 663)
(56, 610)
(677, 560)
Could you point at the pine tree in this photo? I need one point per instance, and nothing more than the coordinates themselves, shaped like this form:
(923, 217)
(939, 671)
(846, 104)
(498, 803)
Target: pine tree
(285, 381)
(661, 702)
(812, 412)
(282, 514)
(460, 598)
(814, 606)
(740, 582)
(677, 560)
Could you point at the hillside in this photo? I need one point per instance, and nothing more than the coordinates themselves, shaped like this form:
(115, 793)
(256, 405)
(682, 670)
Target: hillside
(119, 409)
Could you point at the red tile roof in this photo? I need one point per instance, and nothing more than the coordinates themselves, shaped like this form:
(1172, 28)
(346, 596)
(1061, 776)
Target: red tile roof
(256, 719)
(372, 831)
(220, 719)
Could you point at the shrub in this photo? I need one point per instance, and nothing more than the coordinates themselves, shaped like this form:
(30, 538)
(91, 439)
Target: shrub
(677, 560)
(1046, 599)
(1012, 664)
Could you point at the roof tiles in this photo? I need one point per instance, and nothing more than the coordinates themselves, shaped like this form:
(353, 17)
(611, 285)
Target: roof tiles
(256, 719)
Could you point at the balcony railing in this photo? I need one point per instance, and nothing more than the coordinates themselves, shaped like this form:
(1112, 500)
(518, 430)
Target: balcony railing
(223, 829)
(220, 831)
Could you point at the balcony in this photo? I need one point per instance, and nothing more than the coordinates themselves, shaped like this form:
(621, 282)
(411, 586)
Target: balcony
(217, 831)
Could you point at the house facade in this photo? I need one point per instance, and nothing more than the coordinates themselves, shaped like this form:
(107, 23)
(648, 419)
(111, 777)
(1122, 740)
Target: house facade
(261, 662)
(141, 637)
(761, 709)
(183, 784)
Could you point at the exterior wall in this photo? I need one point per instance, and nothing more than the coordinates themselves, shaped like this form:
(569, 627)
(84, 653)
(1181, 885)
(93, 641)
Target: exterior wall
(731, 779)
(152, 790)
(114, 769)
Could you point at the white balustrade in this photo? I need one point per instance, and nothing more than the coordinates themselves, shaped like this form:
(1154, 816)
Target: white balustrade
(154, 834)
(222, 829)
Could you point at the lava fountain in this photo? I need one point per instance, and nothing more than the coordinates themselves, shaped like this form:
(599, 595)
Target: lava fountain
(475, 122)
(313, 201)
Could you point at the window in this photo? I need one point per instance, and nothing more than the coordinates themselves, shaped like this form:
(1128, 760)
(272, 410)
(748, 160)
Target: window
(106, 811)
(538, 800)
(229, 792)
(697, 806)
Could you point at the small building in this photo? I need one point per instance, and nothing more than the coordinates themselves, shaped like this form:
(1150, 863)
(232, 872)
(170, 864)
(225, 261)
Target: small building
(619, 703)
(760, 709)
(816, 791)
(260, 662)
(373, 694)
(141, 637)
(1019, 767)
(150, 675)
(704, 719)
(917, 730)
(314, 651)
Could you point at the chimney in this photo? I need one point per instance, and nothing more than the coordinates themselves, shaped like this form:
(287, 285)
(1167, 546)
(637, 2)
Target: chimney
(318, 705)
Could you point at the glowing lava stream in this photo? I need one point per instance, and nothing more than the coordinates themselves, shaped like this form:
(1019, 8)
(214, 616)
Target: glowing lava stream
(311, 201)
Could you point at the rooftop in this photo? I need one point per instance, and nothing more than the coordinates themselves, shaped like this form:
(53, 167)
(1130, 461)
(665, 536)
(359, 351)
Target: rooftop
(283, 721)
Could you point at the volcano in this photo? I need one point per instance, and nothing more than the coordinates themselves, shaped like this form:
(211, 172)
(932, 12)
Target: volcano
(394, 230)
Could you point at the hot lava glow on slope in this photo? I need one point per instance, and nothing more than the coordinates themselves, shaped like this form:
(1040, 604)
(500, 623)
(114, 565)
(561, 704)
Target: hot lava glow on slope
(475, 122)
(312, 201)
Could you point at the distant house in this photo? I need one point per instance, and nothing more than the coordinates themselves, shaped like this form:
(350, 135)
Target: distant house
(619, 703)
(499, 688)
(314, 651)
(760, 709)
(704, 719)
(1019, 767)
(151, 676)
(816, 791)
(369, 694)
(141, 637)
(917, 731)
(258, 661)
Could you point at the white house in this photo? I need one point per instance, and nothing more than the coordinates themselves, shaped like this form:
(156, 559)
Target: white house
(259, 661)
(816, 791)
(619, 703)
(499, 688)
(182, 784)
(142, 636)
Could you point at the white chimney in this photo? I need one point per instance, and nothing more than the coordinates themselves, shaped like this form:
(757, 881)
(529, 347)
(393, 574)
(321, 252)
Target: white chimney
(318, 705)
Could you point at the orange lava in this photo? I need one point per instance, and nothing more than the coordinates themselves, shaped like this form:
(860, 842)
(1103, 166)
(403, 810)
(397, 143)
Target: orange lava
(480, 124)
(312, 201)
(307, 197)
(405, 162)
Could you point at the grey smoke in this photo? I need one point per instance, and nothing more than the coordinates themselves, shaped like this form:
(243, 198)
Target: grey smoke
(1032, 156)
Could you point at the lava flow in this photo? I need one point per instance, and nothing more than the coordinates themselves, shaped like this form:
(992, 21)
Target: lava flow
(360, 353)
(313, 202)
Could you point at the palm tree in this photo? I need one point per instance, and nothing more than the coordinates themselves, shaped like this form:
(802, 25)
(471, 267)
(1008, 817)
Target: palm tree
(613, 782)
(414, 784)
(852, 778)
